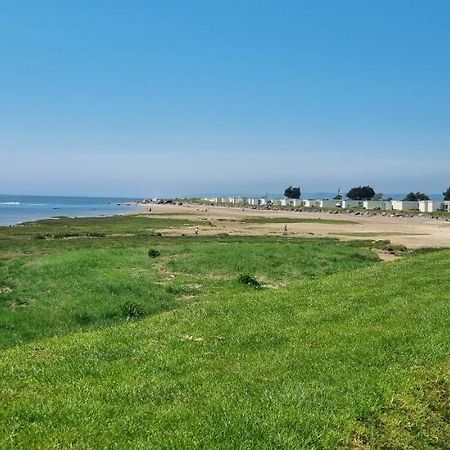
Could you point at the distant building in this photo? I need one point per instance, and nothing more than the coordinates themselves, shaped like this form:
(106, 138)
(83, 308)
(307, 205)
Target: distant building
(309, 203)
(326, 203)
(402, 205)
(377, 204)
(430, 206)
(347, 204)
(279, 202)
(296, 202)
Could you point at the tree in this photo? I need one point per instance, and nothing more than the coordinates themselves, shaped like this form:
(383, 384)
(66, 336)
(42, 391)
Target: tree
(446, 194)
(361, 193)
(422, 196)
(378, 196)
(415, 196)
(292, 192)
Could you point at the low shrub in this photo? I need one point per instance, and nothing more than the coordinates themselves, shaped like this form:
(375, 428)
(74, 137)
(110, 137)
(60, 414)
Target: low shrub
(247, 279)
(153, 253)
(131, 310)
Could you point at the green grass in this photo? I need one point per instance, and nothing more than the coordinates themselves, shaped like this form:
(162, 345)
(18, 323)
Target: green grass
(93, 232)
(263, 219)
(84, 287)
(118, 350)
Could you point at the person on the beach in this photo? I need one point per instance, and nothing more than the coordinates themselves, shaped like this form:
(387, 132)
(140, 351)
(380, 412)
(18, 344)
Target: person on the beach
(196, 231)
(285, 230)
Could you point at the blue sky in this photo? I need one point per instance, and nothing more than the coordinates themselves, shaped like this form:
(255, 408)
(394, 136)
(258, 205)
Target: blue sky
(186, 97)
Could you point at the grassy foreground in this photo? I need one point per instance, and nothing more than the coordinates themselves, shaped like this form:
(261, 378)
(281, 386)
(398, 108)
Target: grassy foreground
(334, 351)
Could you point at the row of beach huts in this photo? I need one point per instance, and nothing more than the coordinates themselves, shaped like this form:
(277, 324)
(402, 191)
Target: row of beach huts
(424, 206)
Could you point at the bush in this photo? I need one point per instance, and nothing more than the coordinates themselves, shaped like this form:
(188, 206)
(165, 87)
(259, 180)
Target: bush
(249, 280)
(153, 253)
(130, 310)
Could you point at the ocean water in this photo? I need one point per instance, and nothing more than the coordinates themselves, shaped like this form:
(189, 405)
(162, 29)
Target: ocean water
(16, 209)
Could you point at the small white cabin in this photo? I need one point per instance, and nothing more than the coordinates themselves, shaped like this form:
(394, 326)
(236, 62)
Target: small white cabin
(296, 202)
(279, 202)
(377, 204)
(430, 206)
(326, 203)
(346, 204)
(253, 201)
(402, 205)
(310, 203)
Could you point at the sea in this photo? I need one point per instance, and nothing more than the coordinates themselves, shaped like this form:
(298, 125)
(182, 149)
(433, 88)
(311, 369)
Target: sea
(15, 209)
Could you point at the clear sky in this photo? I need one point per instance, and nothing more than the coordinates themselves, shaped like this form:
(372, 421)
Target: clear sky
(166, 97)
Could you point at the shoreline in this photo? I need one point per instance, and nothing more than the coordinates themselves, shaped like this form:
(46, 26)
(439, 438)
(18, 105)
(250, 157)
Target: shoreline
(93, 216)
(19, 209)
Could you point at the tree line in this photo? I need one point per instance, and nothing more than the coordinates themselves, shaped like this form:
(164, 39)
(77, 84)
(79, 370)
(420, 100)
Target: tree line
(365, 193)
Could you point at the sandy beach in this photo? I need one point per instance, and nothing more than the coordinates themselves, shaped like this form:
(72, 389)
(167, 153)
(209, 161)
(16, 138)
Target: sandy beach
(413, 232)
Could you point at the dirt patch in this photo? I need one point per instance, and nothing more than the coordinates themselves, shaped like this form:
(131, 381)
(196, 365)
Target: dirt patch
(387, 256)
(5, 290)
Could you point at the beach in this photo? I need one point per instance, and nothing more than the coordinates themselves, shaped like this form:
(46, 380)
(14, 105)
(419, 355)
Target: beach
(412, 232)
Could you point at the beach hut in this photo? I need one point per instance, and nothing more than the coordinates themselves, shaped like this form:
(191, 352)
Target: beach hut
(326, 203)
(253, 201)
(402, 205)
(279, 202)
(347, 204)
(430, 206)
(296, 202)
(377, 204)
(309, 203)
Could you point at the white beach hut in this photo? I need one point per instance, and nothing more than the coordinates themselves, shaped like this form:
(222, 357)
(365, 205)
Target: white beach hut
(377, 204)
(402, 205)
(347, 204)
(326, 203)
(309, 203)
(430, 206)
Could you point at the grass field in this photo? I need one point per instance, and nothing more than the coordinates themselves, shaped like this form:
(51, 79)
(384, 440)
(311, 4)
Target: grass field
(103, 346)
